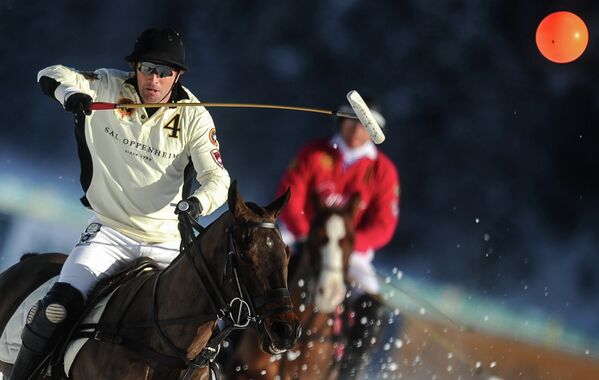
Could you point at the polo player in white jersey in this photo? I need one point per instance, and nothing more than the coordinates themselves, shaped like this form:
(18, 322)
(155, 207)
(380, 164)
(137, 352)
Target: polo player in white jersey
(135, 163)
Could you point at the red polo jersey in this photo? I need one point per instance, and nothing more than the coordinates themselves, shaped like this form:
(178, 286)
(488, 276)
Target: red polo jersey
(319, 169)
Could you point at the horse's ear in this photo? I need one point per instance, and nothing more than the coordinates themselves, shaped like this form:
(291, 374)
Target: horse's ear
(276, 206)
(353, 206)
(232, 195)
(236, 203)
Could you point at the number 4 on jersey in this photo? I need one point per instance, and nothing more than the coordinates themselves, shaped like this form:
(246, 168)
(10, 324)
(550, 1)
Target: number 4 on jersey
(173, 125)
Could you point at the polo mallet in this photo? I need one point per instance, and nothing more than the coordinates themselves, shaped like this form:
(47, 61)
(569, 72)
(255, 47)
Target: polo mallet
(360, 108)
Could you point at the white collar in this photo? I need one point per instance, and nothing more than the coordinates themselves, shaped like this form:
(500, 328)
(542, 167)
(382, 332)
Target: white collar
(350, 156)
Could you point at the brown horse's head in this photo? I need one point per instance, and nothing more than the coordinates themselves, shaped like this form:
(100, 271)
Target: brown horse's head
(330, 243)
(262, 263)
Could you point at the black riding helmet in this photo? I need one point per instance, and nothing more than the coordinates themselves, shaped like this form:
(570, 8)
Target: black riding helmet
(159, 45)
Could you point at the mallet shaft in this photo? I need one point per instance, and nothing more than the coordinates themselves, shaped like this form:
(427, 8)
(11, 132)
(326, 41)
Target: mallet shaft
(104, 106)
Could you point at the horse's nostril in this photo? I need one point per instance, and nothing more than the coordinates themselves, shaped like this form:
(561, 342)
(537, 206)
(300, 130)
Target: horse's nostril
(282, 329)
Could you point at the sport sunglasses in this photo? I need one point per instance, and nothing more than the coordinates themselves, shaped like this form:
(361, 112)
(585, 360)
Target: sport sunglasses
(149, 68)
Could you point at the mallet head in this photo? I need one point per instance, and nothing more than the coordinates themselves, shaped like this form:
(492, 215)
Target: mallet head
(365, 116)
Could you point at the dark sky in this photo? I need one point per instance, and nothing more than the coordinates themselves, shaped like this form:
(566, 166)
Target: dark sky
(496, 146)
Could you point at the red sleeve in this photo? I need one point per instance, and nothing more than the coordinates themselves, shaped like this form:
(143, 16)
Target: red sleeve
(381, 217)
(297, 177)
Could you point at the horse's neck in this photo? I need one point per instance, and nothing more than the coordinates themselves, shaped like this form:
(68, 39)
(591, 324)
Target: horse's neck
(180, 285)
(181, 295)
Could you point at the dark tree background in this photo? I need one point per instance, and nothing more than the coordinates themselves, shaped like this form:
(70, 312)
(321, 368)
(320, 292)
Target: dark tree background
(496, 146)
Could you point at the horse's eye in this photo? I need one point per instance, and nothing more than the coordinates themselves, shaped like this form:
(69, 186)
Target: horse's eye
(245, 236)
(243, 256)
(269, 242)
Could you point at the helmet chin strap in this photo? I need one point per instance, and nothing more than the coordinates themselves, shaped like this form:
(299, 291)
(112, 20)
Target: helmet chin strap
(172, 86)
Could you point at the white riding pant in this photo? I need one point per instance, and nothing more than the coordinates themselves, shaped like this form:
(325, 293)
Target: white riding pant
(361, 273)
(103, 251)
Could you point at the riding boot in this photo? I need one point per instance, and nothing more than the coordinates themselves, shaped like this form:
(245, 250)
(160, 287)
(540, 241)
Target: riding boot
(46, 322)
(368, 327)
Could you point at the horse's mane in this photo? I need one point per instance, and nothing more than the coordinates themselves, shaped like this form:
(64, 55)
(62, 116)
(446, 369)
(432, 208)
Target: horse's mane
(28, 255)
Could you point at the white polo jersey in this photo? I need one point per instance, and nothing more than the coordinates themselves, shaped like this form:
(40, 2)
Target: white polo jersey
(133, 165)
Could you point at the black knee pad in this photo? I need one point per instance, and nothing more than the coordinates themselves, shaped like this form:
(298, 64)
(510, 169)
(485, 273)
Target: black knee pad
(63, 302)
(47, 318)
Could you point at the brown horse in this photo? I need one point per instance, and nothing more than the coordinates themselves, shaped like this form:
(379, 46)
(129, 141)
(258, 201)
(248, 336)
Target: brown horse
(317, 286)
(162, 322)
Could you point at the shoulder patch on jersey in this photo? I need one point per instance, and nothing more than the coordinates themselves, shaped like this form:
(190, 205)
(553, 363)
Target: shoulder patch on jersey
(124, 112)
(213, 138)
(215, 153)
(326, 161)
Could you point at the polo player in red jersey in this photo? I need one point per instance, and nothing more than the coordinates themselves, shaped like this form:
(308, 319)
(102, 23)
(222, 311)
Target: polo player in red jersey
(333, 170)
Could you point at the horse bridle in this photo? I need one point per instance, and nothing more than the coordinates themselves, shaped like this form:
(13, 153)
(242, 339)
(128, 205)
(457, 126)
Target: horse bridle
(247, 305)
(251, 303)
